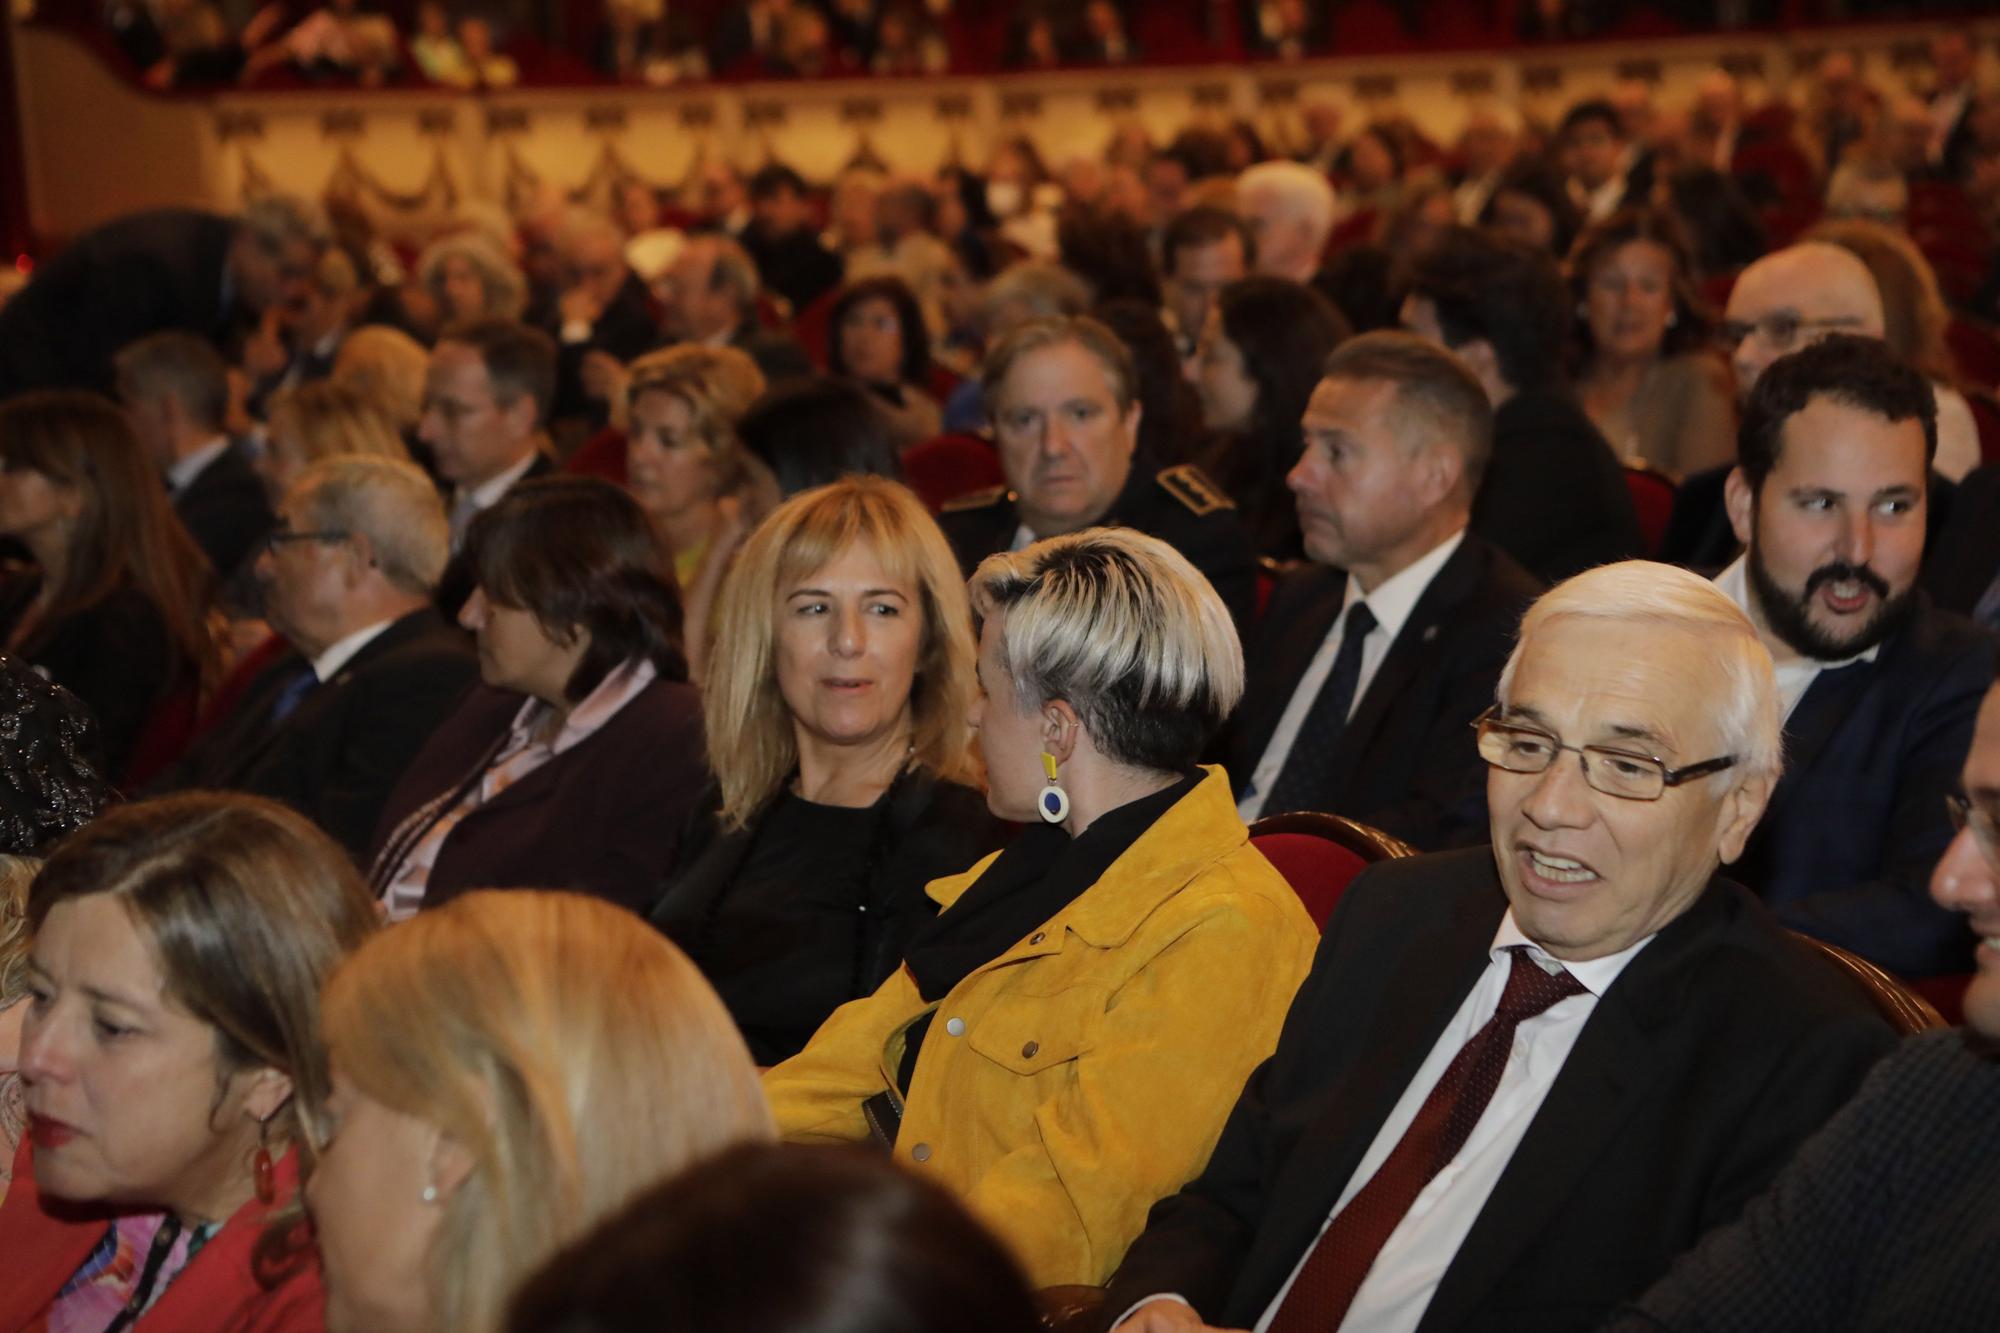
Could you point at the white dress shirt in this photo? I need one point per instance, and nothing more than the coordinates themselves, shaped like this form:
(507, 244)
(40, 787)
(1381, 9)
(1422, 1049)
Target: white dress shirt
(1795, 673)
(341, 651)
(1400, 1284)
(468, 504)
(183, 470)
(1391, 605)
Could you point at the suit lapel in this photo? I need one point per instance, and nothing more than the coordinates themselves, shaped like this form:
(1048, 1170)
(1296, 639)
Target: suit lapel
(1418, 640)
(1827, 703)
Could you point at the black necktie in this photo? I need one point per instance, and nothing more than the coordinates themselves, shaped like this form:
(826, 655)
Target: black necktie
(1309, 766)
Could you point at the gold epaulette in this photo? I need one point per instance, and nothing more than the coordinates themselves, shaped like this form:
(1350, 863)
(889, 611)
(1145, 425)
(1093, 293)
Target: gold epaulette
(978, 499)
(1192, 487)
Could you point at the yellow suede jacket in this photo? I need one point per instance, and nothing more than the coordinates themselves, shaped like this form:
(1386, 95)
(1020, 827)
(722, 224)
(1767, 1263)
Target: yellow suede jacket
(1086, 1072)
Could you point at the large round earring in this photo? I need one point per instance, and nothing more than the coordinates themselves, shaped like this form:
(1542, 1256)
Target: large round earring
(1054, 802)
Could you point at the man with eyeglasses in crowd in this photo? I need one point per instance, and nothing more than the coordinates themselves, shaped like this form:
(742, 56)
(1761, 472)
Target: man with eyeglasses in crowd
(1520, 1079)
(1885, 1219)
(1879, 687)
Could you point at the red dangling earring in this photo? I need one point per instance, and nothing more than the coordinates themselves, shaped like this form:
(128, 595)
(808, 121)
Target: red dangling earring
(266, 1176)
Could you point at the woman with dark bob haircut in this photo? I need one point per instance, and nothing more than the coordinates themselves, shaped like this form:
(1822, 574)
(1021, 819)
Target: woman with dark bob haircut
(176, 1081)
(880, 343)
(579, 758)
(771, 1239)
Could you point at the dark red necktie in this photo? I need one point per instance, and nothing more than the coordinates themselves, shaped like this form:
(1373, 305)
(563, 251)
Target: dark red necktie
(1346, 1250)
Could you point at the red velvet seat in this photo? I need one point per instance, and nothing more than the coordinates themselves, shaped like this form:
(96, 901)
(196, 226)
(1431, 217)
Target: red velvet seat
(1653, 499)
(1975, 345)
(602, 455)
(941, 470)
(1320, 854)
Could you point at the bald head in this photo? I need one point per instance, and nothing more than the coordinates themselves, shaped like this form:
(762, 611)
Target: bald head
(1795, 297)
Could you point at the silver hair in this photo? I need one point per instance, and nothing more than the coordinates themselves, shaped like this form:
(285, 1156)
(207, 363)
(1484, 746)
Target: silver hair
(278, 220)
(506, 288)
(1302, 192)
(391, 503)
(1124, 629)
(1642, 592)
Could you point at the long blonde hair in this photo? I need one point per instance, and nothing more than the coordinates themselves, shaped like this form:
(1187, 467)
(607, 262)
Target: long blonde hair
(752, 748)
(573, 1053)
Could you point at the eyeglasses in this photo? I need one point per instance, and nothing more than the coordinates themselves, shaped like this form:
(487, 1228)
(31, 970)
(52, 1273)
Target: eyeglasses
(281, 537)
(1615, 772)
(1985, 827)
(1781, 330)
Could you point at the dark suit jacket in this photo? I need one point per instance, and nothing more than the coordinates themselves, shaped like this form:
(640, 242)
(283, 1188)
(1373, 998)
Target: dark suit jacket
(1964, 558)
(455, 584)
(626, 328)
(603, 817)
(1846, 849)
(1720, 1047)
(778, 355)
(225, 510)
(349, 740)
(1698, 534)
(1406, 762)
(1554, 496)
(136, 275)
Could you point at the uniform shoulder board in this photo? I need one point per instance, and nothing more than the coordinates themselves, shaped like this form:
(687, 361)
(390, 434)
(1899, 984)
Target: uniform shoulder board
(1191, 486)
(978, 499)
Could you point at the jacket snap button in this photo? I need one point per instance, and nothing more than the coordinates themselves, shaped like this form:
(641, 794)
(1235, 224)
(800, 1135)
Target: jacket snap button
(922, 1152)
(1037, 937)
(1028, 1051)
(956, 1027)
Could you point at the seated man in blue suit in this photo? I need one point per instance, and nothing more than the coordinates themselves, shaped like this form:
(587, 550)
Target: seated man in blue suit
(1879, 687)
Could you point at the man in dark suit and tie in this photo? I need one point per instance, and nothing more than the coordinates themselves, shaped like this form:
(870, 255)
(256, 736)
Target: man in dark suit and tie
(1880, 688)
(1519, 1080)
(329, 727)
(1375, 658)
(175, 388)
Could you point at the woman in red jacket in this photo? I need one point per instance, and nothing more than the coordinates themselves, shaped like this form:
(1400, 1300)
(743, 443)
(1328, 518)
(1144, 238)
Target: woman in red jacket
(174, 1076)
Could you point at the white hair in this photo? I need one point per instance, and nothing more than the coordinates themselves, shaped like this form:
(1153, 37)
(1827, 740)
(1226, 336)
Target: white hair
(391, 503)
(1642, 592)
(1301, 192)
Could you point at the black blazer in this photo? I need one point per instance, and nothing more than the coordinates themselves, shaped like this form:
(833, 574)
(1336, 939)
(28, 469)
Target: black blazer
(603, 817)
(626, 328)
(1965, 557)
(455, 584)
(1846, 848)
(1406, 762)
(347, 743)
(1554, 496)
(225, 510)
(1720, 1047)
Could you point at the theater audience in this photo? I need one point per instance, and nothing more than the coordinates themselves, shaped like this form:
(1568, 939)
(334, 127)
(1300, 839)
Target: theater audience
(1531, 204)
(811, 430)
(1375, 658)
(1260, 353)
(1645, 374)
(1170, 427)
(175, 390)
(1202, 251)
(844, 777)
(709, 295)
(1120, 967)
(317, 420)
(1290, 210)
(175, 1079)
(386, 368)
(579, 760)
(1879, 688)
(603, 307)
(1066, 421)
(114, 603)
(1554, 497)
(1584, 1015)
(783, 1239)
(880, 343)
(1880, 1221)
(1606, 172)
(330, 727)
(508, 1071)
(782, 240)
(142, 273)
(469, 279)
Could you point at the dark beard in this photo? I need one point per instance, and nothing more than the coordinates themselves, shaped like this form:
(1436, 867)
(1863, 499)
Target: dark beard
(1789, 616)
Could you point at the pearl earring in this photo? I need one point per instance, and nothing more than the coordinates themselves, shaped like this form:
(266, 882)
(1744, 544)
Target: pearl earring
(430, 1194)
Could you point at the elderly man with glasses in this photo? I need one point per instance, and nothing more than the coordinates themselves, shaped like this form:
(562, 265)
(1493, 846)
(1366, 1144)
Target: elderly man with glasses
(1520, 1079)
(1885, 1218)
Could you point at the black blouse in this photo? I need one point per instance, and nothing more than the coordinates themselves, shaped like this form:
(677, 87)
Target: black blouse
(812, 905)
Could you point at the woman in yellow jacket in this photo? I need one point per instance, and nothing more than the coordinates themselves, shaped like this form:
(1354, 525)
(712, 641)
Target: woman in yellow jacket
(1064, 1041)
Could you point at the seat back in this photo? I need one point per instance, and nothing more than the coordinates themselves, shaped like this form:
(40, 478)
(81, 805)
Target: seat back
(1320, 854)
(1906, 1011)
(1653, 500)
(940, 470)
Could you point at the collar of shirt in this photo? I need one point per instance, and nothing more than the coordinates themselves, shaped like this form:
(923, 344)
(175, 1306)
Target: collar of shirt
(341, 651)
(183, 470)
(1593, 974)
(1796, 675)
(1392, 602)
(598, 707)
(487, 493)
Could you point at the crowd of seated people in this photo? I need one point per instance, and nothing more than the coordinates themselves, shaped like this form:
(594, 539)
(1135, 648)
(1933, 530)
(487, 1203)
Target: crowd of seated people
(491, 741)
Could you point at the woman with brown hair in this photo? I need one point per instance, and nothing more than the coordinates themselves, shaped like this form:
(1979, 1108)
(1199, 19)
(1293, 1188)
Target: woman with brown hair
(115, 603)
(1645, 371)
(880, 343)
(321, 419)
(579, 759)
(175, 1081)
(507, 1071)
